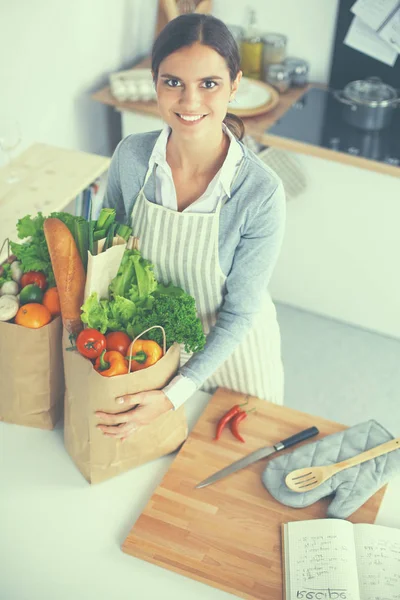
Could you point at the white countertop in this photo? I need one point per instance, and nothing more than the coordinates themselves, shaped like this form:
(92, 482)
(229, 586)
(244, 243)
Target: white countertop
(60, 537)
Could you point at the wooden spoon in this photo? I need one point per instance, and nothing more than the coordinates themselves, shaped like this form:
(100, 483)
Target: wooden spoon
(308, 478)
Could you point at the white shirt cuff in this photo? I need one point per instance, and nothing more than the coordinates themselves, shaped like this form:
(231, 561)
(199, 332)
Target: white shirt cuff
(179, 390)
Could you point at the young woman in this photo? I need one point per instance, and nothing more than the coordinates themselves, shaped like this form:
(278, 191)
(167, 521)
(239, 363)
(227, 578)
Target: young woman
(209, 215)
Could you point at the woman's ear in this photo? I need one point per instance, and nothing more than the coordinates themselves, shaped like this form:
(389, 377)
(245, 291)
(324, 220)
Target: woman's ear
(235, 84)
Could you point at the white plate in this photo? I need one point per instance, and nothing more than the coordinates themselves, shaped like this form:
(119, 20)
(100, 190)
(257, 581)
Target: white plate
(250, 95)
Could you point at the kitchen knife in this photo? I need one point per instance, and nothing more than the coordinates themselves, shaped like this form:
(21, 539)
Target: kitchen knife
(258, 455)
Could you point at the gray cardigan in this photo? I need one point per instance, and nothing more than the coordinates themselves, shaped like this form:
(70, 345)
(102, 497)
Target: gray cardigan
(251, 230)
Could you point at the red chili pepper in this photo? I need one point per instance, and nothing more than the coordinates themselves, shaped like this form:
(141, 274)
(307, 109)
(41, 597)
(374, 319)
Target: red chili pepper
(227, 417)
(238, 418)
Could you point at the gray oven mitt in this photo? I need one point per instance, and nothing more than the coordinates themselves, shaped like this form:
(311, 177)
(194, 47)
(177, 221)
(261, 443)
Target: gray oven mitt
(351, 487)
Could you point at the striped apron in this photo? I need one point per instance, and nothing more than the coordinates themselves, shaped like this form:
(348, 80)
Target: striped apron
(183, 246)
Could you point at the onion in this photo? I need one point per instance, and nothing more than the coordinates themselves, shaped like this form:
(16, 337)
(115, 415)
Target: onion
(9, 288)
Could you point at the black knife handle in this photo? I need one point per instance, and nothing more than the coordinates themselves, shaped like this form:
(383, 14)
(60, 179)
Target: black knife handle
(296, 438)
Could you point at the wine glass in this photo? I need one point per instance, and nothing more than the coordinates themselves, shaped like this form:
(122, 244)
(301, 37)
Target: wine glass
(10, 138)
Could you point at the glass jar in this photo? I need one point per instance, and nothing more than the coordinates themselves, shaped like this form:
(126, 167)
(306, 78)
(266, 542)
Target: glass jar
(237, 33)
(298, 71)
(274, 48)
(251, 50)
(279, 77)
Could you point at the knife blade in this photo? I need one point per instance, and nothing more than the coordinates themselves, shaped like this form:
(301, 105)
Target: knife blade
(258, 455)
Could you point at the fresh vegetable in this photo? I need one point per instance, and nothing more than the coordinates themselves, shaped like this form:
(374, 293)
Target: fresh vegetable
(8, 307)
(111, 363)
(106, 315)
(238, 418)
(105, 220)
(90, 343)
(135, 279)
(31, 293)
(5, 273)
(51, 300)
(224, 420)
(123, 231)
(10, 288)
(119, 341)
(143, 354)
(16, 271)
(36, 277)
(33, 316)
(177, 314)
(33, 253)
(138, 302)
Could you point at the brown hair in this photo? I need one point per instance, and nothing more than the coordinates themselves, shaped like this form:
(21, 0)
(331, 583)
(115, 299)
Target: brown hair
(209, 31)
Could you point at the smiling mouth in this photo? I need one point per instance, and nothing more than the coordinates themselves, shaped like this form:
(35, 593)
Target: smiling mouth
(190, 118)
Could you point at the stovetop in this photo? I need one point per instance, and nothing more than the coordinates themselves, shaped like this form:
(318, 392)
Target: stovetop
(316, 118)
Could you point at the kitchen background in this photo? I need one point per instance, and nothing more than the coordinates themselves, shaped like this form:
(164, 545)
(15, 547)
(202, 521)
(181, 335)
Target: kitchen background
(341, 252)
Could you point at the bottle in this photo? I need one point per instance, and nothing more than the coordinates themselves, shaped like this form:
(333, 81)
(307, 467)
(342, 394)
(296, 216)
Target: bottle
(251, 50)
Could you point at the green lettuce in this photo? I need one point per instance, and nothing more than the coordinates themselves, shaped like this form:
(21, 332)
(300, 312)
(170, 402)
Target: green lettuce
(95, 313)
(135, 279)
(33, 254)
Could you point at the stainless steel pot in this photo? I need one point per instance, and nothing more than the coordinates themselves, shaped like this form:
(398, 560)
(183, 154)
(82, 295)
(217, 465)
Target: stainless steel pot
(368, 103)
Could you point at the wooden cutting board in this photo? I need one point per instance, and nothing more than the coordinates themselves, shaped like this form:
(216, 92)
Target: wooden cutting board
(227, 535)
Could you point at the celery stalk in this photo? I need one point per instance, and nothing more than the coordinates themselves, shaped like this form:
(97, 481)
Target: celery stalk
(81, 236)
(99, 235)
(110, 237)
(106, 219)
(124, 231)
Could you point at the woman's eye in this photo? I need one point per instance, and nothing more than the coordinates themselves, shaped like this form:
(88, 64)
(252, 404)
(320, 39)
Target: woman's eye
(172, 82)
(209, 84)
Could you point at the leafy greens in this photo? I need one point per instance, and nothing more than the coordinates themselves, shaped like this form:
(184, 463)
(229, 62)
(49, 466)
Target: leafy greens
(137, 301)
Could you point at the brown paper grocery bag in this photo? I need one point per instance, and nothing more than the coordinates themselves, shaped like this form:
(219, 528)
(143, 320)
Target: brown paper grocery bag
(99, 457)
(31, 374)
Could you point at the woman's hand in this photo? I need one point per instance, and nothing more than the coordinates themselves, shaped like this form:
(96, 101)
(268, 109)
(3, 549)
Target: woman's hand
(147, 406)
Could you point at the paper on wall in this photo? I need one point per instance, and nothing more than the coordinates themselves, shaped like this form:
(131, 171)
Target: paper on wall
(374, 13)
(383, 16)
(363, 38)
(391, 31)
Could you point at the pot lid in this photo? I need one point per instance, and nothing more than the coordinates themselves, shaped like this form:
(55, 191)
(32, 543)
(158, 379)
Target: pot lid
(371, 92)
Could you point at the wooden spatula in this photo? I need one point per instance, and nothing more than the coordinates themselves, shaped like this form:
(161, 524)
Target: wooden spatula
(308, 478)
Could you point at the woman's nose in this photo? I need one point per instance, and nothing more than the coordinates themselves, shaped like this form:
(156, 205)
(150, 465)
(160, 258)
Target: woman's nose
(190, 97)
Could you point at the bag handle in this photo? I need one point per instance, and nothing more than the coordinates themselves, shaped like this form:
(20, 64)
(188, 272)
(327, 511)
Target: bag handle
(6, 241)
(140, 335)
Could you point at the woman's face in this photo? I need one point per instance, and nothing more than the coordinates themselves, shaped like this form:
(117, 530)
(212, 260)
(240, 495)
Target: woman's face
(193, 90)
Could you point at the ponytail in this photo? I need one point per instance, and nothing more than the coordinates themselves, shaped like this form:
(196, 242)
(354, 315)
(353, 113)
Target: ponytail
(235, 125)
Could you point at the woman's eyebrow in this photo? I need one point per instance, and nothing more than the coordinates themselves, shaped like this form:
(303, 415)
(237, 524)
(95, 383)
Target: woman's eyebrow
(170, 76)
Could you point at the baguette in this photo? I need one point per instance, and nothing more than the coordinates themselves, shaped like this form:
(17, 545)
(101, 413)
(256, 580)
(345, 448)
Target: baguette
(68, 272)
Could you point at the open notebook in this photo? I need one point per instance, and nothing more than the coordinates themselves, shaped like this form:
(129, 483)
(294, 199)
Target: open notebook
(332, 559)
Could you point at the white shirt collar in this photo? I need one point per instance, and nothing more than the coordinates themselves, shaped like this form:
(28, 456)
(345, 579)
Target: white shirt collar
(228, 169)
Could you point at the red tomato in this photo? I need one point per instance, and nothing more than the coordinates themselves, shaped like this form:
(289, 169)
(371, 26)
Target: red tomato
(119, 341)
(36, 277)
(90, 343)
